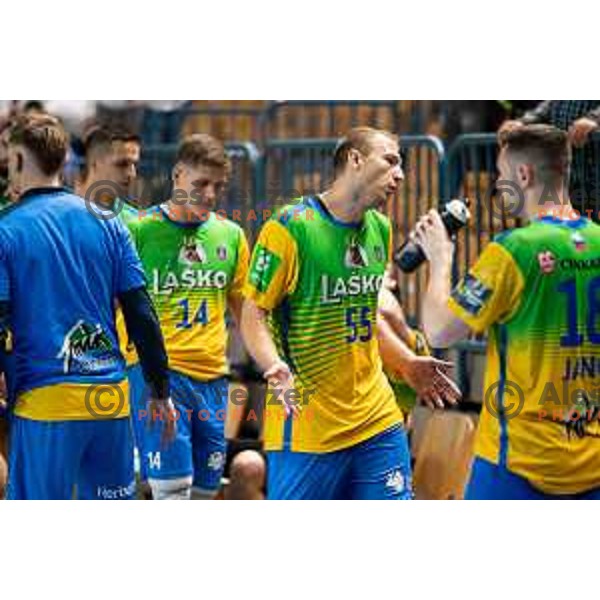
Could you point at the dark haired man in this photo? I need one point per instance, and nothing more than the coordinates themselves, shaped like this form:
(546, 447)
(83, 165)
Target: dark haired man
(110, 169)
(580, 119)
(536, 290)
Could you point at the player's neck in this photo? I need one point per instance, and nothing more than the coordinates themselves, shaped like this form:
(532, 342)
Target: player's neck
(557, 204)
(182, 213)
(92, 189)
(342, 205)
(40, 181)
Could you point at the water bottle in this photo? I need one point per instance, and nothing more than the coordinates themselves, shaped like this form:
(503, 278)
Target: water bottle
(455, 215)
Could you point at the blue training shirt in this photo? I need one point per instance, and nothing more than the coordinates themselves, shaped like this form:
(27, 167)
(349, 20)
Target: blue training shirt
(61, 269)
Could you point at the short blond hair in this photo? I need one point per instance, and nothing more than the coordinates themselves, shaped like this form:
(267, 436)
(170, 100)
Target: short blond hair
(358, 138)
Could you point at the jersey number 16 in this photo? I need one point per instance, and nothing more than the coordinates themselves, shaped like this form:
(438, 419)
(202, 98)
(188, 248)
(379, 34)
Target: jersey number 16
(573, 337)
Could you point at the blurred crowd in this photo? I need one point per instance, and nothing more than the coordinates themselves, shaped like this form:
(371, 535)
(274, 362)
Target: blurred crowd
(155, 121)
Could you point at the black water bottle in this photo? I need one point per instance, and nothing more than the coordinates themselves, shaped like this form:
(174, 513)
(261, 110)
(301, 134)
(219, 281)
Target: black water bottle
(455, 215)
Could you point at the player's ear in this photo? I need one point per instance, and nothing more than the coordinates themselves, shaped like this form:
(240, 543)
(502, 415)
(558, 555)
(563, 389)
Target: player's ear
(525, 175)
(176, 173)
(355, 158)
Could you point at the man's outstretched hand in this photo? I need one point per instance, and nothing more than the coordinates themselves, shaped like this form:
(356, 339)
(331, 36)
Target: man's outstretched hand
(429, 377)
(279, 376)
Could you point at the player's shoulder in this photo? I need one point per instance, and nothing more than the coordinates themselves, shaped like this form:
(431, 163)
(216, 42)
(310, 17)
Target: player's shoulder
(294, 214)
(512, 246)
(143, 218)
(290, 221)
(523, 239)
(375, 218)
(7, 213)
(226, 226)
(40, 200)
(128, 212)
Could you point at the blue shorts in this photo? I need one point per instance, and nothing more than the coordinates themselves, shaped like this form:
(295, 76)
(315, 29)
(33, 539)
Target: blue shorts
(137, 401)
(493, 482)
(376, 469)
(49, 460)
(199, 446)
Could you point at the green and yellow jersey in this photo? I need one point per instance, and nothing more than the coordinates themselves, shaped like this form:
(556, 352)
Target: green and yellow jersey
(537, 291)
(320, 279)
(191, 271)
(128, 214)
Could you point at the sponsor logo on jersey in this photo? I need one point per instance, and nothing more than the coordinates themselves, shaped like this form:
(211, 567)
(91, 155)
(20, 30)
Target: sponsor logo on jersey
(192, 252)
(356, 256)
(333, 289)
(395, 481)
(222, 253)
(584, 264)
(216, 460)
(579, 241)
(187, 279)
(379, 253)
(115, 492)
(547, 262)
(471, 294)
(263, 268)
(86, 349)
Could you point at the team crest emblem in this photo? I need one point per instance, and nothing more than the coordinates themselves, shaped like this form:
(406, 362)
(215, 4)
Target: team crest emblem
(579, 241)
(192, 252)
(355, 255)
(222, 253)
(547, 262)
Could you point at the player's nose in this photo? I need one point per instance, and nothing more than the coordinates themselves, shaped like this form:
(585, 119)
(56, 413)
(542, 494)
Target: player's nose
(210, 194)
(398, 174)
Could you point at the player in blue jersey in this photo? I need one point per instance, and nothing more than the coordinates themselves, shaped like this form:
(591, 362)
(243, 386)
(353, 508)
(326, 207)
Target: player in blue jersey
(62, 270)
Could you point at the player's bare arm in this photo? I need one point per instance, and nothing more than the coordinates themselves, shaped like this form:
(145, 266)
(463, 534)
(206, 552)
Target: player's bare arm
(391, 310)
(441, 327)
(260, 345)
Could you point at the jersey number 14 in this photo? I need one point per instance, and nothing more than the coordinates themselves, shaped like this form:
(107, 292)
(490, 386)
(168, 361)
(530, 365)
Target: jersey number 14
(200, 316)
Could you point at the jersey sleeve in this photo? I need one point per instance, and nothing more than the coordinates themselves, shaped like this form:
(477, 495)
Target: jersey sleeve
(274, 266)
(129, 270)
(491, 291)
(241, 268)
